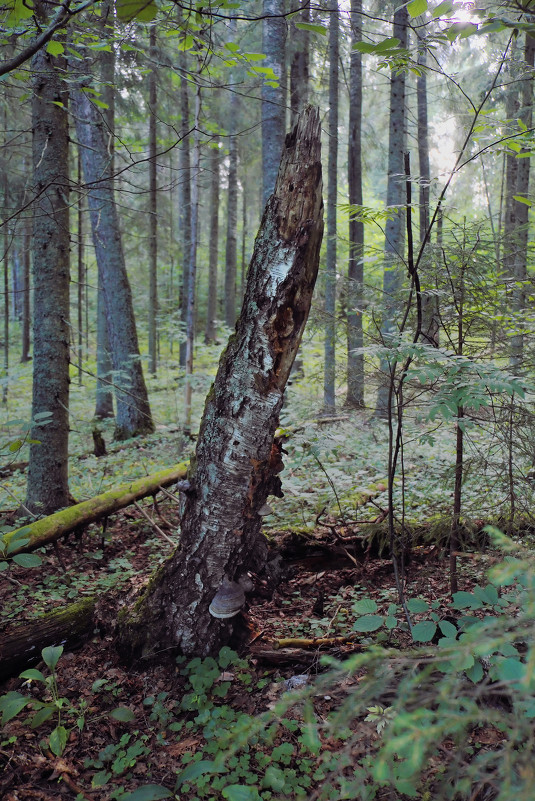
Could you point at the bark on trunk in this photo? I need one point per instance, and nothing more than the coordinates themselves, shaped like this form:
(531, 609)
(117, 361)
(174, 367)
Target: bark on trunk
(394, 228)
(210, 334)
(237, 460)
(329, 376)
(273, 107)
(48, 487)
(153, 209)
(184, 198)
(355, 292)
(133, 410)
(49, 529)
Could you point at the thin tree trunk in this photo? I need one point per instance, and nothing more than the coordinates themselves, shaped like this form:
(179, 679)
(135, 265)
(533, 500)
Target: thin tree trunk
(237, 460)
(210, 333)
(430, 325)
(153, 210)
(184, 200)
(192, 273)
(48, 485)
(521, 212)
(300, 66)
(231, 251)
(355, 294)
(273, 108)
(26, 321)
(81, 269)
(133, 410)
(104, 393)
(394, 229)
(6, 282)
(329, 401)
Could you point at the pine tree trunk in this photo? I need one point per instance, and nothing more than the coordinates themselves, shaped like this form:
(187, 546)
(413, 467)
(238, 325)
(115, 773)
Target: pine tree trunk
(329, 401)
(153, 210)
(184, 197)
(299, 66)
(521, 212)
(210, 333)
(237, 460)
(355, 293)
(26, 314)
(133, 410)
(48, 486)
(231, 251)
(273, 108)
(430, 324)
(394, 229)
(104, 393)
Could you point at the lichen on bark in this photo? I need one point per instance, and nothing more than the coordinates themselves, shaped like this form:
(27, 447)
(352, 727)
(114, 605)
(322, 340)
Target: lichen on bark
(237, 461)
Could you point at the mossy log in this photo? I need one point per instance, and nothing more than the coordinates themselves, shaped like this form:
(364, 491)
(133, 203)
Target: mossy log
(70, 626)
(51, 528)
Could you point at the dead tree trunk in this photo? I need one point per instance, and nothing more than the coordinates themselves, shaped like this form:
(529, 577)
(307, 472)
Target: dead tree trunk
(237, 461)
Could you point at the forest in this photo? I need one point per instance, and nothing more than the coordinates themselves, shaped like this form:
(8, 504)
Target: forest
(268, 400)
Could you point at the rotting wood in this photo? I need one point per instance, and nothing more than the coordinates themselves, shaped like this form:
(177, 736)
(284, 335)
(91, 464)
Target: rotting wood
(313, 642)
(21, 647)
(51, 528)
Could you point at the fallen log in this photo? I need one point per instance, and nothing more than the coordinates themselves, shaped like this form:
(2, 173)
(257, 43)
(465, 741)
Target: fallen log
(51, 528)
(21, 647)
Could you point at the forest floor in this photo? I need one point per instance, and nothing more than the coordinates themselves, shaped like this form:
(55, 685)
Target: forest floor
(130, 728)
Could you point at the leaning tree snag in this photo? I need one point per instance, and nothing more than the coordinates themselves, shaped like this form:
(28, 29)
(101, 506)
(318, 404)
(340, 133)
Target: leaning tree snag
(237, 458)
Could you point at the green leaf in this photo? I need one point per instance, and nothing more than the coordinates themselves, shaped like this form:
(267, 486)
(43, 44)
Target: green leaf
(11, 704)
(365, 606)
(101, 778)
(55, 48)
(239, 792)
(196, 769)
(58, 740)
(309, 26)
(51, 655)
(417, 605)
(16, 445)
(524, 200)
(33, 674)
(368, 623)
(226, 657)
(417, 7)
(42, 715)
(424, 631)
(149, 792)
(465, 600)
(141, 10)
(122, 714)
(4, 566)
(448, 629)
(475, 673)
(27, 559)
(16, 542)
(443, 9)
(511, 670)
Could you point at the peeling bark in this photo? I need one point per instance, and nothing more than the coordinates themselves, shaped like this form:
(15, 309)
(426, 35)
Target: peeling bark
(237, 459)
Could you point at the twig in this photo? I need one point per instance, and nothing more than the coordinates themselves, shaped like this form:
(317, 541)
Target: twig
(155, 526)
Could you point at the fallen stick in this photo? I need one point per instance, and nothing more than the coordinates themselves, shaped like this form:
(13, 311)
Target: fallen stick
(51, 528)
(312, 642)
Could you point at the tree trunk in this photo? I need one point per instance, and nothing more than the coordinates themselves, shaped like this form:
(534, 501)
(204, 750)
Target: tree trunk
(394, 229)
(273, 108)
(231, 251)
(133, 410)
(48, 485)
(210, 334)
(26, 321)
(299, 67)
(184, 197)
(104, 393)
(430, 324)
(6, 282)
(22, 646)
(329, 401)
(237, 460)
(81, 269)
(521, 212)
(355, 274)
(153, 210)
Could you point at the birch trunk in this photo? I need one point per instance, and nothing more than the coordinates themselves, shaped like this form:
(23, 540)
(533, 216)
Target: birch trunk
(237, 459)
